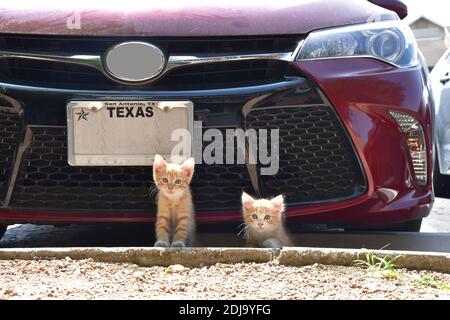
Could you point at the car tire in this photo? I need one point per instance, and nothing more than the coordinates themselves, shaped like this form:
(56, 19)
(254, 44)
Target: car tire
(2, 230)
(412, 226)
(441, 182)
(408, 226)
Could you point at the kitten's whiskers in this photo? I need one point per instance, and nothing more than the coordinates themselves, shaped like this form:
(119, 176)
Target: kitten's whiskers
(153, 190)
(243, 230)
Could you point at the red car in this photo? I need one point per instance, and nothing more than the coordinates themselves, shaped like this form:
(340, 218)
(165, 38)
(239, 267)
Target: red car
(342, 81)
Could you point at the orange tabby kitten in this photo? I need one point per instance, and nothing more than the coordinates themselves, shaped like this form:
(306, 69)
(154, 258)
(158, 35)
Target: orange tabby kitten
(175, 224)
(264, 222)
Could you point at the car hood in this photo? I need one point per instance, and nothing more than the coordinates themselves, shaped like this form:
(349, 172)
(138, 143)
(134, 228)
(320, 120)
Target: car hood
(183, 18)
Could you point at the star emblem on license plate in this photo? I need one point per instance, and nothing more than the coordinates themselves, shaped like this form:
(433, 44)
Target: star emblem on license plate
(82, 115)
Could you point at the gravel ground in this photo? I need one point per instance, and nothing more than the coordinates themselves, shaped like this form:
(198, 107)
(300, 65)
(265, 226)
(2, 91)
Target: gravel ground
(86, 279)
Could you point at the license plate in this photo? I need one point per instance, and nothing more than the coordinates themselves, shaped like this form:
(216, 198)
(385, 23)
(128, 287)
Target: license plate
(128, 133)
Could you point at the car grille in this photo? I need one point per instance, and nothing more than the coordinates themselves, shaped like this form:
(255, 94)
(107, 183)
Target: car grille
(46, 180)
(214, 75)
(317, 161)
(317, 164)
(208, 76)
(10, 125)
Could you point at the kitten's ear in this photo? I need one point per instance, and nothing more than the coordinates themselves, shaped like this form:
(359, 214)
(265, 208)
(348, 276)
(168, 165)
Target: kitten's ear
(188, 167)
(247, 202)
(159, 164)
(278, 203)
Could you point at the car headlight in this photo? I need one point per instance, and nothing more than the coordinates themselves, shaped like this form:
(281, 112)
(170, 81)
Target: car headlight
(390, 41)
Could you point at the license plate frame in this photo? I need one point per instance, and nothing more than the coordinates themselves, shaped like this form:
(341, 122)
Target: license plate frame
(79, 112)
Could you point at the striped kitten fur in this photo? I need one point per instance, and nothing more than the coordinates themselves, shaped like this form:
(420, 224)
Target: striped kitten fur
(264, 222)
(175, 225)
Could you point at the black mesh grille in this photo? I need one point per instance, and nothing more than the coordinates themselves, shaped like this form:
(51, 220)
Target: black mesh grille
(47, 181)
(317, 162)
(220, 185)
(219, 75)
(10, 125)
(229, 75)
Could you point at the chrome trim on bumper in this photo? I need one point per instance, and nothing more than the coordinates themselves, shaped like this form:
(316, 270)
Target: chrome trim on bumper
(180, 61)
(92, 61)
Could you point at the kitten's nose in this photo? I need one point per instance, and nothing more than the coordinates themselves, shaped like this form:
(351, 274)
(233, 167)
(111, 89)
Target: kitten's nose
(170, 188)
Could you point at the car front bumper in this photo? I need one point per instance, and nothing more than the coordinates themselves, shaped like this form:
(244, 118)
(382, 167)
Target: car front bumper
(360, 91)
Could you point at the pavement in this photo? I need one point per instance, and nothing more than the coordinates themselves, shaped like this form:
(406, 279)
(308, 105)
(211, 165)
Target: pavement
(434, 236)
(439, 218)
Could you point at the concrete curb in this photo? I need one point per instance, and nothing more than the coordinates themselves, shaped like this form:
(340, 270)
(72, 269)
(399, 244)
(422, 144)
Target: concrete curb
(209, 256)
(146, 256)
(414, 260)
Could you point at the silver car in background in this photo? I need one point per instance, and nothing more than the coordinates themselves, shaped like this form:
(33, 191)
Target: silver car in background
(440, 82)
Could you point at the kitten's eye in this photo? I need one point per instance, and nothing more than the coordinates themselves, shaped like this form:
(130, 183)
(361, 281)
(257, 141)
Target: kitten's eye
(254, 216)
(165, 180)
(267, 217)
(178, 181)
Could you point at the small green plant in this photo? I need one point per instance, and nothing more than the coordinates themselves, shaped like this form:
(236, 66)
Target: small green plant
(431, 281)
(380, 265)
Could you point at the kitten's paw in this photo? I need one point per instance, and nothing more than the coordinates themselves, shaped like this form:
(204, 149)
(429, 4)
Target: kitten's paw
(272, 243)
(178, 244)
(162, 244)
